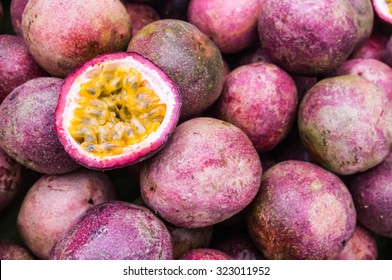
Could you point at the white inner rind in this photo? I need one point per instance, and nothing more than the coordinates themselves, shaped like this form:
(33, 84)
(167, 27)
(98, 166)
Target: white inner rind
(156, 82)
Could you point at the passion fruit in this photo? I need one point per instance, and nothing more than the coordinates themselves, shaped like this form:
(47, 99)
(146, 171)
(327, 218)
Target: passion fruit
(383, 9)
(115, 110)
(63, 34)
(16, 10)
(188, 57)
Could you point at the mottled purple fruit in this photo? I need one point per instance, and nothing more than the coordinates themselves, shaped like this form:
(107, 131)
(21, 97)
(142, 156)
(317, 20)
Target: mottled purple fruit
(10, 250)
(301, 212)
(205, 254)
(371, 69)
(207, 172)
(16, 10)
(261, 99)
(10, 179)
(361, 246)
(308, 37)
(186, 239)
(364, 13)
(27, 132)
(374, 47)
(60, 38)
(372, 195)
(55, 202)
(16, 64)
(232, 25)
(141, 14)
(344, 123)
(188, 57)
(115, 230)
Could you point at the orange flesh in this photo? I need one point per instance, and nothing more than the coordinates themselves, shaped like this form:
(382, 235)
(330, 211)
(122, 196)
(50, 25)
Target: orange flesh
(116, 109)
(389, 4)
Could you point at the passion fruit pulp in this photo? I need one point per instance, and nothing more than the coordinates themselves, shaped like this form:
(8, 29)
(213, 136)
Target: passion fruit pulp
(115, 110)
(383, 9)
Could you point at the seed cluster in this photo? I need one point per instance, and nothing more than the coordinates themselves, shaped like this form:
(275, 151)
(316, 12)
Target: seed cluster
(116, 109)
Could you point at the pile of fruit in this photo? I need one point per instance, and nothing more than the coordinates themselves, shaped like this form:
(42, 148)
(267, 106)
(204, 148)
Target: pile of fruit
(201, 129)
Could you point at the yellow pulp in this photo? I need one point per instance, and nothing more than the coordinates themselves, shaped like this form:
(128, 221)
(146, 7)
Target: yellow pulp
(116, 109)
(389, 4)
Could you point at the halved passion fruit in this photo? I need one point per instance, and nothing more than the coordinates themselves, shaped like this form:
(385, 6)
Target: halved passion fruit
(115, 110)
(383, 9)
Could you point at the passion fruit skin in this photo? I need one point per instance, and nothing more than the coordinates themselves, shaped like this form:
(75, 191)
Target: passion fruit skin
(125, 159)
(186, 239)
(16, 10)
(344, 122)
(10, 250)
(374, 47)
(11, 173)
(141, 14)
(62, 35)
(301, 212)
(230, 36)
(371, 69)
(188, 57)
(207, 172)
(205, 254)
(308, 38)
(55, 202)
(261, 99)
(372, 195)
(364, 12)
(238, 246)
(16, 64)
(361, 246)
(27, 132)
(115, 230)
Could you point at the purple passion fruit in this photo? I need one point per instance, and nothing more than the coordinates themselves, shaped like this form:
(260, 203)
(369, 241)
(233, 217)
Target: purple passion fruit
(115, 110)
(188, 57)
(16, 10)
(301, 212)
(27, 131)
(344, 123)
(63, 34)
(205, 254)
(115, 230)
(10, 250)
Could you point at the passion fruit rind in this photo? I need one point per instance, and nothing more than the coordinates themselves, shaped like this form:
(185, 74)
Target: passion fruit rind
(115, 110)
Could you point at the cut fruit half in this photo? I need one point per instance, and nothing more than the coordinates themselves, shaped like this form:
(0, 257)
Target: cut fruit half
(383, 9)
(115, 110)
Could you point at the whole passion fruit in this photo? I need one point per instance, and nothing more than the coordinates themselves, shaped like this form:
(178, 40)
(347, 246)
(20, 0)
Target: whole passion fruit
(63, 34)
(115, 110)
(188, 56)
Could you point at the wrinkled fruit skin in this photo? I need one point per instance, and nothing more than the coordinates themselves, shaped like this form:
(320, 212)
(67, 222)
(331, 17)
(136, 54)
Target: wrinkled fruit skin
(361, 246)
(261, 99)
(308, 37)
(371, 69)
(140, 15)
(60, 39)
(55, 202)
(16, 10)
(115, 231)
(332, 116)
(230, 36)
(205, 254)
(301, 212)
(27, 132)
(10, 179)
(16, 64)
(13, 251)
(186, 239)
(363, 10)
(372, 195)
(207, 172)
(188, 57)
